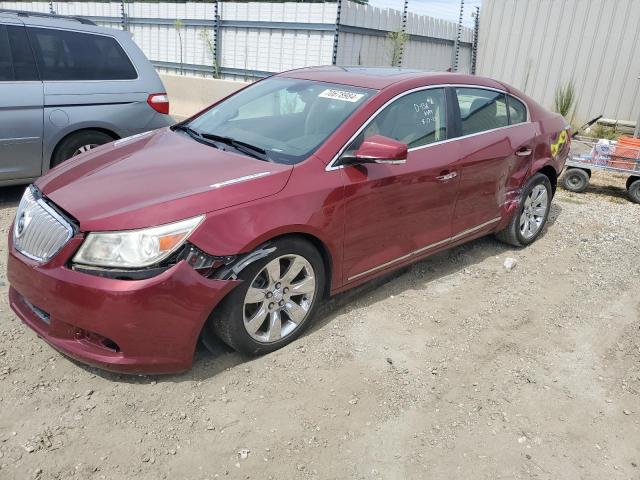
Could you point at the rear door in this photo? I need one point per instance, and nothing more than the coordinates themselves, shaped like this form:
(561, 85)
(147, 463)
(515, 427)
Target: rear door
(21, 103)
(495, 156)
(89, 81)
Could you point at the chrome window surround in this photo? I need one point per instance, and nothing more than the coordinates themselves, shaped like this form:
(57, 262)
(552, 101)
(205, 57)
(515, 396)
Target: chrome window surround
(331, 165)
(431, 246)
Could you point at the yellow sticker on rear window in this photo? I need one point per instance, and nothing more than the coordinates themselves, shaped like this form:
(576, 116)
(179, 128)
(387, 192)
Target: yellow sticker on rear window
(343, 95)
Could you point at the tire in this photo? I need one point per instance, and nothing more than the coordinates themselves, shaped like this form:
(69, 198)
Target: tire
(575, 180)
(78, 142)
(514, 234)
(232, 319)
(633, 190)
(630, 180)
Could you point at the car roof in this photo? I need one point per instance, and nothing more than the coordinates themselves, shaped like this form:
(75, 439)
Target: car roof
(382, 77)
(40, 19)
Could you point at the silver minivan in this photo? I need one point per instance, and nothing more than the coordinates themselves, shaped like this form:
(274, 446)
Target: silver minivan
(66, 86)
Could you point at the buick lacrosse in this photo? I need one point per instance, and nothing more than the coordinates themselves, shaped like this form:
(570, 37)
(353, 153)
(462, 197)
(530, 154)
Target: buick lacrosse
(237, 222)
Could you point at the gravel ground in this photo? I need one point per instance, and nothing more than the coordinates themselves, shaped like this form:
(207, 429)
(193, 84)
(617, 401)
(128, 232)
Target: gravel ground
(452, 368)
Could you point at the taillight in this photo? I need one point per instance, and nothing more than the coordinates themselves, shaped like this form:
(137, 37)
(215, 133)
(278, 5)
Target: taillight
(159, 102)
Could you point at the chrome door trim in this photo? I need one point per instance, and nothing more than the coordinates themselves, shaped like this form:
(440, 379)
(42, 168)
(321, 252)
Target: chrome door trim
(427, 247)
(331, 165)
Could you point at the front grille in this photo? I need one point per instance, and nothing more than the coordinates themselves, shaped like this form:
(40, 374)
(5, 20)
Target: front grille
(39, 231)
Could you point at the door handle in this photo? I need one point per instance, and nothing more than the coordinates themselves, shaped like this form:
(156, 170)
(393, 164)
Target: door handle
(524, 152)
(447, 176)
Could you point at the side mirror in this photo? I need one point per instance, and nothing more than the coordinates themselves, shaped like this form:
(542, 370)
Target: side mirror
(378, 149)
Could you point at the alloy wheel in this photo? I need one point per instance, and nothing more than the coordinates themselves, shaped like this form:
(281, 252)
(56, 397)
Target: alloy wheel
(84, 148)
(279, 298)
(534, 211)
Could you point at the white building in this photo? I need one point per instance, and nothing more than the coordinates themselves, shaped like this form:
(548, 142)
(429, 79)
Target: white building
(536, 45)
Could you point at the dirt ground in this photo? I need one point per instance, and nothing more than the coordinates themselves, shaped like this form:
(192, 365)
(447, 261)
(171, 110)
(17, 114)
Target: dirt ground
(453, 368)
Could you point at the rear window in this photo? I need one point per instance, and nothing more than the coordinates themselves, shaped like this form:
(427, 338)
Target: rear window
(517, 111)
(66, 55)
(16, 58)
(481, 109)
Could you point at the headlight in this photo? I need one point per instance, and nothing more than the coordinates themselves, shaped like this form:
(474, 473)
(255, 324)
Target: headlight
(135, 248)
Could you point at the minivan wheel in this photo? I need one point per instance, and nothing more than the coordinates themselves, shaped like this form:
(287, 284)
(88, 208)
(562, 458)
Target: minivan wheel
(531, 216)
(78, 143)
(275, 302)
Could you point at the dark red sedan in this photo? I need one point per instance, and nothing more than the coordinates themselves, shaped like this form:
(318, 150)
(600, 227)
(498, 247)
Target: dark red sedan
(237, 222)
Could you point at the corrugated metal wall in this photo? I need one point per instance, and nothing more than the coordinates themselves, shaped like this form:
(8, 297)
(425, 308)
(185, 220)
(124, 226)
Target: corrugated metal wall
(256, 38)
(536, 45)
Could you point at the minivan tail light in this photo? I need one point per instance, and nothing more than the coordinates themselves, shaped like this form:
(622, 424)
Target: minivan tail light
(159, 102)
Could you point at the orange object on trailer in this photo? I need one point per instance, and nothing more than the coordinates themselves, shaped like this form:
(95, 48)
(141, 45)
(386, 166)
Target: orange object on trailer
(626, 153)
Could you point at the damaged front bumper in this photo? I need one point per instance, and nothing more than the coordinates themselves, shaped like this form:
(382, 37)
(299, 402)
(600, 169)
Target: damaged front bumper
(132, 326)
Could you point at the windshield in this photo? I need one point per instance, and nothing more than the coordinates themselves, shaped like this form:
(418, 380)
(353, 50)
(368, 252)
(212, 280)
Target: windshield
(287, 119)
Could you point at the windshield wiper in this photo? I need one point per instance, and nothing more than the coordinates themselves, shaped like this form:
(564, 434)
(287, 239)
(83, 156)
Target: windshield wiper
(187, 129)
(244, 147)
(196, 135)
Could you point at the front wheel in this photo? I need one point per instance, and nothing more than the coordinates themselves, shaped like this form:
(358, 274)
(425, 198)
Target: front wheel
(275, 302)
(532, 214)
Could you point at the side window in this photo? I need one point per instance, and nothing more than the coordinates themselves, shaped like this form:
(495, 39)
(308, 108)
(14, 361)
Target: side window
(517, 111)
(481, 109)
(16, 58)
(417, 119)
(6, 63)
(66, 55)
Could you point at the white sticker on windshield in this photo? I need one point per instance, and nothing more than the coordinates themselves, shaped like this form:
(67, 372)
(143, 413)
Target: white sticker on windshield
(343, 95)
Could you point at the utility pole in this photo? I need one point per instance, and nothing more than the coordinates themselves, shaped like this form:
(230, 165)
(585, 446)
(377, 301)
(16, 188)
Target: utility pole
(334, 58)
(216, 38)
(458, 38)
(123, 16)
(474, 48)
(636, 133)
(405, 12)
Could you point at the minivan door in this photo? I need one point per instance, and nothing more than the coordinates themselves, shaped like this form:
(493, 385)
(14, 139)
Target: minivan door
(21, 106)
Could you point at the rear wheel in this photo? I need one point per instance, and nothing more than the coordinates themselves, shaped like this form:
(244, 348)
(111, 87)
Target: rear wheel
(575, 180)
(78, 143)
(275, 302)
(633, 189)
(532, 214)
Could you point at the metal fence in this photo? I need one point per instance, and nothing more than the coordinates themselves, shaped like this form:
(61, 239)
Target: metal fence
(245, 40)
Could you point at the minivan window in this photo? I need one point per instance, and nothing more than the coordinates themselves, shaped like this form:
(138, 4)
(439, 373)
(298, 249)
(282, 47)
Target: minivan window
(16, 58)
(67, 55)
(481, 109)
(287, 118)
(517, 111)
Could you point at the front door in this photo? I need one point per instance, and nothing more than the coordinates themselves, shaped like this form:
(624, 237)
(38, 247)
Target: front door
(21, 106)
(397, 212)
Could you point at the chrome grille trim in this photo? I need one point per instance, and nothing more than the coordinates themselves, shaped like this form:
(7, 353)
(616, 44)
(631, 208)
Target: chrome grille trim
(44, 231)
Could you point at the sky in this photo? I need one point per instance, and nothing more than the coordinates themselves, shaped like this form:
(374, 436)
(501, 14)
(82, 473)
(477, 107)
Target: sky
(446, 9)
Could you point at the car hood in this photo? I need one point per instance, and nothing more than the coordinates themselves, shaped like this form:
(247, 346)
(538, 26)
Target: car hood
(155, 178)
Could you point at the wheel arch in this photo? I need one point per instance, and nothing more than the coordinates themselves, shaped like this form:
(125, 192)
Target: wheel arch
(323, 249)
(550, 172)
(106, 131)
